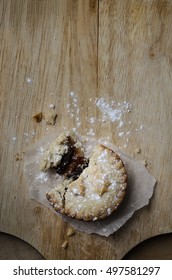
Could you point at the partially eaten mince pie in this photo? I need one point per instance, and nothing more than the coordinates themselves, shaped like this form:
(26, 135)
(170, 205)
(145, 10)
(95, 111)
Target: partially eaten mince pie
(91, 188)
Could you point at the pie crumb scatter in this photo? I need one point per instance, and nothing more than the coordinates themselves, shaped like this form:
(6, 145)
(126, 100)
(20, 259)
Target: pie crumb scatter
(38, 117)
(137, 151)
(50, 117)
(64, 244)
(144, 162)
(18, 157)
(37, 209)
(70, 232)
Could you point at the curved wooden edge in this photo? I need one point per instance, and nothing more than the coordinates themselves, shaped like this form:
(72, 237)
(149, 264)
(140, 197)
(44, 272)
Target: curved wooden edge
(157, 247)
(13, 247)
(145, 239)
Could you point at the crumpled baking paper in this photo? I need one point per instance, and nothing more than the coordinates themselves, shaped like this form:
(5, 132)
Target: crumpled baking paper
(139, 191)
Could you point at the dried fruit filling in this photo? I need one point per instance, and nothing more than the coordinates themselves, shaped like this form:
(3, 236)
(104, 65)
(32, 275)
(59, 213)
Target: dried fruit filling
(72, 163)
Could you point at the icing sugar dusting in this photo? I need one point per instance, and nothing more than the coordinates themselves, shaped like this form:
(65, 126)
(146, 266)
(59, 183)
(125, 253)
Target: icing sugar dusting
(42, 176)
(108, 111)
(95, 196)
(113, 111)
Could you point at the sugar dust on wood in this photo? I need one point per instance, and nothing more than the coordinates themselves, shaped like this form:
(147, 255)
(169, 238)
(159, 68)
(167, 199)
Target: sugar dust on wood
(29, 80)
(109, 111)
(113, 111)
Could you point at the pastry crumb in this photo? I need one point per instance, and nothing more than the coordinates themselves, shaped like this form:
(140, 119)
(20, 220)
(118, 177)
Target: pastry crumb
(65, 244)
(18, 157)
(50, 118)
(70, 232)
(38, 117)
(144, 162)
(37, 209)
(137, 151)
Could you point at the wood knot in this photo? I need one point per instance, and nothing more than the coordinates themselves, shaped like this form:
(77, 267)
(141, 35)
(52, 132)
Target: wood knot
(93, 5)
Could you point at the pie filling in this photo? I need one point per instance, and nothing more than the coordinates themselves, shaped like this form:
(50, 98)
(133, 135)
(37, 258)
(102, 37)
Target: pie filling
(72, 163)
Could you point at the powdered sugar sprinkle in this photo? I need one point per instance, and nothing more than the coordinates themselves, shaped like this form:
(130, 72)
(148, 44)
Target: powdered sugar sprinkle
(113, 111)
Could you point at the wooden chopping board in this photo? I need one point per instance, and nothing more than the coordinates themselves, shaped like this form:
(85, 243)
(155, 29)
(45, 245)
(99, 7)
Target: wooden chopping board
(115, 50)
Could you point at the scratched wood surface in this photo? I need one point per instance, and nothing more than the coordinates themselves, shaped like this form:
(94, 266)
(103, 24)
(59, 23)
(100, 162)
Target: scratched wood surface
(115, 50)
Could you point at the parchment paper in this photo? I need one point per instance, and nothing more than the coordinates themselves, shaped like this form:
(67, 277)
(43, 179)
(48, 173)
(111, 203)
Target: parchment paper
(139, 191)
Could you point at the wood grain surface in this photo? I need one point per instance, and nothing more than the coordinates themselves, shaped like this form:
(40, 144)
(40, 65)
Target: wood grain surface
(115, 50)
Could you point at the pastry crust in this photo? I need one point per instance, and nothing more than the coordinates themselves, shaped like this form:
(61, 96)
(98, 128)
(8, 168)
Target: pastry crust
(53, 156)
(97, 192)
(65, 155)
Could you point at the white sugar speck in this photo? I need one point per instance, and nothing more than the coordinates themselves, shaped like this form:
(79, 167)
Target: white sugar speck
(33, 132)
(121, 123)
(51, 106)
(109, 211)
(95, 196)
(75, 191)
(72, 94)
(29, 80)
(26, 134)
(75, 100)
(121, 134)
(92, 120)
(42, 177)
(91, 132)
